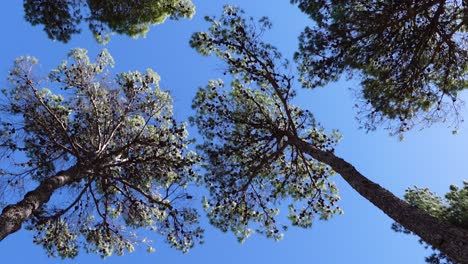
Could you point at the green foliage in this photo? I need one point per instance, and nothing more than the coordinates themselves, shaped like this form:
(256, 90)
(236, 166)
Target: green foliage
(120, 134)
(61, 19)
(251, 167)
(410, 55)
(452, 209)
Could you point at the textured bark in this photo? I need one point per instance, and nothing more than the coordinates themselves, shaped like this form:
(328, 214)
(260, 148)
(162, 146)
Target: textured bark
(449, 239)
(13, 216)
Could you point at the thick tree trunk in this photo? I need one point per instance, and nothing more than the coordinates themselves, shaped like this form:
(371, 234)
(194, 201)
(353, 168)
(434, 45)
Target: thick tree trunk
(13, 216)
(449, 239)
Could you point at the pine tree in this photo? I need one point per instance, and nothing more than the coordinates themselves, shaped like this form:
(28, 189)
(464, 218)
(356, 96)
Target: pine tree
(61, 19)
(411, 57)
(105, 153)
(261, 150)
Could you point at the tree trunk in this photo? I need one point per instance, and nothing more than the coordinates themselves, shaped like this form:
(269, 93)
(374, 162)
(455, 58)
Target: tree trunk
(449, 239)
(13, 216)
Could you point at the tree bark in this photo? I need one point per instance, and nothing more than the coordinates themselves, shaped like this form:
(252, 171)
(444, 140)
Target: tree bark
(13, 216)
(449, 239)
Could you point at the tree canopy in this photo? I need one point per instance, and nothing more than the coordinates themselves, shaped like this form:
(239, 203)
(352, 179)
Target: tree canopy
(104, 158)
(411, 57)
(107, 155)
(251, 167)
(262, 150)
(61, 19)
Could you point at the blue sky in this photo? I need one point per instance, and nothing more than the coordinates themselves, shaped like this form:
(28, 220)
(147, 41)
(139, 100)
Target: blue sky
(431, 158)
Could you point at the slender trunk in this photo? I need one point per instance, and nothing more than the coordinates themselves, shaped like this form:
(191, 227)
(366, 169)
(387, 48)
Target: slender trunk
(449, 239)
(13, 216)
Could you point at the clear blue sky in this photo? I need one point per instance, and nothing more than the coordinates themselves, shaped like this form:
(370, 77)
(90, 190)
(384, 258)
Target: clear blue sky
(432, 157)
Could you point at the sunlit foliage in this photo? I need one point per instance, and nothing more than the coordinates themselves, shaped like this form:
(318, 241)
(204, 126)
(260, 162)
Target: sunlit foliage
(61, 19)
(117, 134)
(251, 166)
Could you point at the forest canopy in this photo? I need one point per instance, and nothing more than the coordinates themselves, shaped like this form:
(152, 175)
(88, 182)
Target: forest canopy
(62, 19)
(412, 63)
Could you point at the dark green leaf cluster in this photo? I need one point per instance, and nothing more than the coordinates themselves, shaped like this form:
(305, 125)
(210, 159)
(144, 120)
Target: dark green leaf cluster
(251, 166)
(453, 208)
(120, 135)
(411, 55)
(61, 19)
